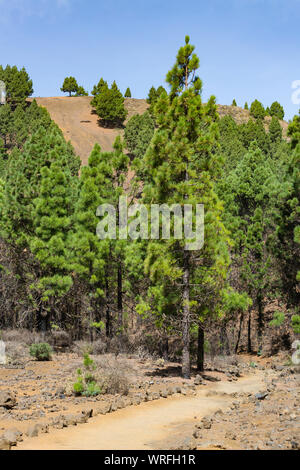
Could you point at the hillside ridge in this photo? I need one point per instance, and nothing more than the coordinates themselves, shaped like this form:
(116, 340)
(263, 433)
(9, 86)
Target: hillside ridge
(79, 123)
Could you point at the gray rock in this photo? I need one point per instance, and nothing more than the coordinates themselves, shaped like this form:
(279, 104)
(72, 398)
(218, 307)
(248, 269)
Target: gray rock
(261, 396)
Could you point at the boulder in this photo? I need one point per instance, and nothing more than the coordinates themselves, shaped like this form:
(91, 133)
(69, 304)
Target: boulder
(7, 400)
(13, 436)
(103, 408)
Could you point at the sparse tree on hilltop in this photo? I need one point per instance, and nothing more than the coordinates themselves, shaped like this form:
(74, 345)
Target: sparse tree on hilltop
(81, 92)
(70, 85)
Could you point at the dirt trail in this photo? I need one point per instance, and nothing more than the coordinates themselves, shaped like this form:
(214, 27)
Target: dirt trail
(154, 425)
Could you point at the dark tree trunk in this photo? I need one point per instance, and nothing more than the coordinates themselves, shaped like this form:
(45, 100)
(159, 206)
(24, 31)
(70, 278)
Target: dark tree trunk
(186, 362)
(164, 348)
(260, 321)
(200, 350)
(120, 297)
(239, 334)
(108, 325)
(225, 341)
(249, 349)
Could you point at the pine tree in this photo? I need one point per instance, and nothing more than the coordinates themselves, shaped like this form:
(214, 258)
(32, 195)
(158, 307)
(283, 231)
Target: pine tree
(276, 110)
(18, 85)
(109, 105)
(231, 147)
(98, 261)
(234, 103)
(70, 85)
(287, 247)
(20, 129)
(246, 106)
(51, 216)
(36, 117)
(179, 168)
(275, 130)
(255, 131)
(101, 86)
(6, 124)
(253, 193)
(294, 131)
(81, 92)
(44, 147)
(257, 110)
(127, 93)
(138, 134)
(153, 97)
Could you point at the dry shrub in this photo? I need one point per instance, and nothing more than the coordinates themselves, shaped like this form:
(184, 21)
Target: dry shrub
(21, 336)
(17, 344)
(86, 347)
(114, 375)
(223, 362)
(16, 352)
(119, 344)
(60, 340)
(99, 346)
(82, 347)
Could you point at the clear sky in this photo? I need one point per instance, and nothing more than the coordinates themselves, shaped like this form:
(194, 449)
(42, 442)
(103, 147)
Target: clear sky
(248, 48)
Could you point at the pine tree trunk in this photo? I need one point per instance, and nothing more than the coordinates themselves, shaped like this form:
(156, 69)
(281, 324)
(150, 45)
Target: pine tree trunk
(224, 341)
(108, 326)
(249, 333)
(200, 350)
(239, 334)
(120, 297)
(260, 321)
(186, 363)
(164, 348)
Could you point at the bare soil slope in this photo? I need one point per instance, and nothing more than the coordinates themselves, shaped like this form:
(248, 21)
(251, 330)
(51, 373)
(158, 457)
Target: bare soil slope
(80, 125)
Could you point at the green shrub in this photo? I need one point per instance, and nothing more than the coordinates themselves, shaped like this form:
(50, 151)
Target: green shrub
(278, 319)
(296, 324)
(41, 351)
(78, 386)
(86, 384)
(92, 390)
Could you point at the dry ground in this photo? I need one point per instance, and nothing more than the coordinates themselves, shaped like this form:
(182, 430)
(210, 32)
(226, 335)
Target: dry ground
(169, 411)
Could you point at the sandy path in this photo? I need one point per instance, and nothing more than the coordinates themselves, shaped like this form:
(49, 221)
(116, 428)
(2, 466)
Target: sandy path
(153, 425)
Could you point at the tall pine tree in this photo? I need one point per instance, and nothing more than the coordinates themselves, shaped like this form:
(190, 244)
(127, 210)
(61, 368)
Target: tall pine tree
(180, 168)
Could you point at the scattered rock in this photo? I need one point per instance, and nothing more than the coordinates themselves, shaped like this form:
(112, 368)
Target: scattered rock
(261, 396)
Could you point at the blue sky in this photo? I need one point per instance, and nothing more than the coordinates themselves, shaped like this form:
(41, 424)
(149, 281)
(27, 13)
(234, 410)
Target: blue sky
(248, 48)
